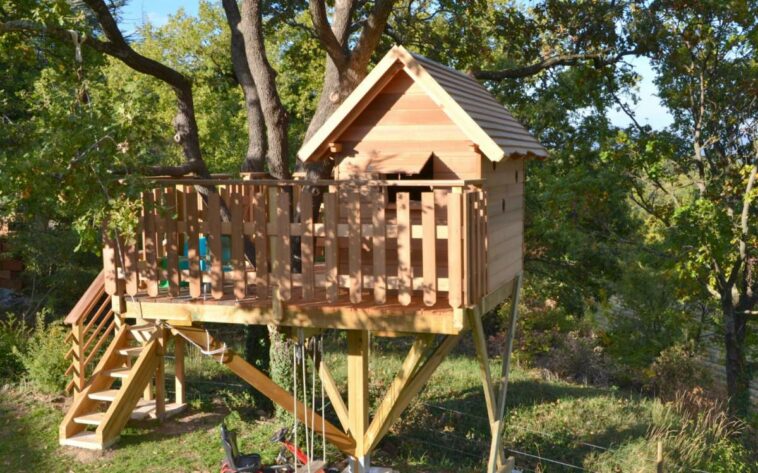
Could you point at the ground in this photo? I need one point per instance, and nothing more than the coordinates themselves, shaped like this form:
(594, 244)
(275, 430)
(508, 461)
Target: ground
(443, 431)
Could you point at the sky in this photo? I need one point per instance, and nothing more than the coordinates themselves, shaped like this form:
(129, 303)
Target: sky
(648, 111)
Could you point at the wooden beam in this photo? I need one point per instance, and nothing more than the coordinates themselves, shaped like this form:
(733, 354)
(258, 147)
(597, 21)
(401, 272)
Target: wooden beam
(270, 389)
(180, 387)
(357, 393)
(413, 386)
(365, 316)
(497, 438)
(381, 422)
(333, 392)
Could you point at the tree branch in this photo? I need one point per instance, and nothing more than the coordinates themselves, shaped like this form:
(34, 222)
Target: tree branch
(324, 32)
(600, 59)
(371, 34)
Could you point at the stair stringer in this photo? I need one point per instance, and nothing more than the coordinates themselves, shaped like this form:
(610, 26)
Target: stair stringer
(131, 391)
(99, 381)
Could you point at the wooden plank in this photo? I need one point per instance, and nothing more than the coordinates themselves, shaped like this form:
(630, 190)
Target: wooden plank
(357, 388)
(285, 251)
(355, 243)
(466, 248)
(333, 393)
(429, 248)
(331, 247)
(110, 263)
(193, 243)
(260, 223)
(455, 262)
(273, 391)
(131, 271)
(404, 270)
(238, 247)
(379, 251)
(381, 422)
(307, 248)
(215, 246)
(172, 241)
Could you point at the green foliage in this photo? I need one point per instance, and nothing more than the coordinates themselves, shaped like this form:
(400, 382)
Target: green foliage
(677, 369)
(44, 357)
(14, 335)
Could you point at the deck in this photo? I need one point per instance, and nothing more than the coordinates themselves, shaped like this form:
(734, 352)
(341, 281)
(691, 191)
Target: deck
(386, 256)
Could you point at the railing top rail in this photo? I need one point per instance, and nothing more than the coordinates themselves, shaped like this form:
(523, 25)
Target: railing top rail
(323, 182)
(90, 297)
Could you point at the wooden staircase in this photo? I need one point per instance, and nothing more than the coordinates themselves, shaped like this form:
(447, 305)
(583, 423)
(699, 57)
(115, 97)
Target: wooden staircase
(120, 389)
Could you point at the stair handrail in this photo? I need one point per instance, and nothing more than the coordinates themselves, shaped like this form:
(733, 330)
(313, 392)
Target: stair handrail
(92, 323)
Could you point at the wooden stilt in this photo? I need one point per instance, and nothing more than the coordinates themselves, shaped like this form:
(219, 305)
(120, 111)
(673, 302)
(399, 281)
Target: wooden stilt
(357, 398)
(180, 387)
(160, 377)
(496, 450)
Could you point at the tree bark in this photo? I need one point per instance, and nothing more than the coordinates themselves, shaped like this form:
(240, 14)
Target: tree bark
(255, 158)
(274, 115)
(737, 369)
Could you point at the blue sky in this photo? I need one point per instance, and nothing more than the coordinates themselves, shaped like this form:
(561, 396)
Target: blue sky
(647, 111)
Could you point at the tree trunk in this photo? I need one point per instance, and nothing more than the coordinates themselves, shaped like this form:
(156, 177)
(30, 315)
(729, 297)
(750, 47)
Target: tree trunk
(274, 115)
(255, 158)
(737, 370)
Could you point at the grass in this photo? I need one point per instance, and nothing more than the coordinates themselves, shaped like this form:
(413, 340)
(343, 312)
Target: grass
(444, 429)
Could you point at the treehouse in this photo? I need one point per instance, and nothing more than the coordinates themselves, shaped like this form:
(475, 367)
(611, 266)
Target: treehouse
(418, 232)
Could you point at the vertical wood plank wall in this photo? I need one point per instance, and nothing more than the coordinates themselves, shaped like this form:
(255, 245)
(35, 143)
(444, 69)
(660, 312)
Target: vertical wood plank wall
(505, 220)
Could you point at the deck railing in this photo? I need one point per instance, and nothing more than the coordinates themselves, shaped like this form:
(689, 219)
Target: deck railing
(367, 241)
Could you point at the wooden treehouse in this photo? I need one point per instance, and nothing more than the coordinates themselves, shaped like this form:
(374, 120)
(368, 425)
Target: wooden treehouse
(418, 234)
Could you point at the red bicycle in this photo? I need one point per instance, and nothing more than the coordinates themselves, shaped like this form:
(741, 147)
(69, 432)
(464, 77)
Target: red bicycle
(235, 462)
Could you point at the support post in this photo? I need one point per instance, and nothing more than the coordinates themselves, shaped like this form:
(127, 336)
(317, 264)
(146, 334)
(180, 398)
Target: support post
(357, 388)
(160, 376)
(502, 392)
(79, 356)
(180, 388)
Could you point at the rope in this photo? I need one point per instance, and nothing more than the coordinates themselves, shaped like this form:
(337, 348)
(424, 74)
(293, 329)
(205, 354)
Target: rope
(313, 399)
(207, 351)
(323, 400)
(305, 404)
(294, 400)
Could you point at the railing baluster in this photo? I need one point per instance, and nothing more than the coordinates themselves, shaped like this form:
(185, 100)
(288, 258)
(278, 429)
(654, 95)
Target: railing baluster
(306, 243)
(260, 222)
(429, 248)
(331, 218)
(355, 244)
(150, 242)
(215, 245)
(172, 243)
(404, 269)
(193, 243)
(238, 246)
(285, 254)
(379, 239)
(454, 265)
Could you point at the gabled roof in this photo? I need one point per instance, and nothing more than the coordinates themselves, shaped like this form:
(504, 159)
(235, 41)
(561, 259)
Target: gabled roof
(468, 104)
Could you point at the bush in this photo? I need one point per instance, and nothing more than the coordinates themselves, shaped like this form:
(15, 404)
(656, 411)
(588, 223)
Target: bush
(14, 335)
(44, 358)
(676, 369)
(581, 358)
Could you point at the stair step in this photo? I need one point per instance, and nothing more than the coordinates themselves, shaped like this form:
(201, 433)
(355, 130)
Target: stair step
(108, 395)
(84, 439)
(90, 419)
(119, 373)
(131, 351)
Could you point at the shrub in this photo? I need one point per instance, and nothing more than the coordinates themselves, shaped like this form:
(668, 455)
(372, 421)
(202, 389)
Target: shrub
(14, 335)
(581, 358)
(44, 359)
(676, 369)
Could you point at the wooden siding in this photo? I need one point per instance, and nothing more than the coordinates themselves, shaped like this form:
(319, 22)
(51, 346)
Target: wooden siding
(403, 124)
(504, 184)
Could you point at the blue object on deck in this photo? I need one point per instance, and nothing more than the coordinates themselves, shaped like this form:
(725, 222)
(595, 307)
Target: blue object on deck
(226, 256)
